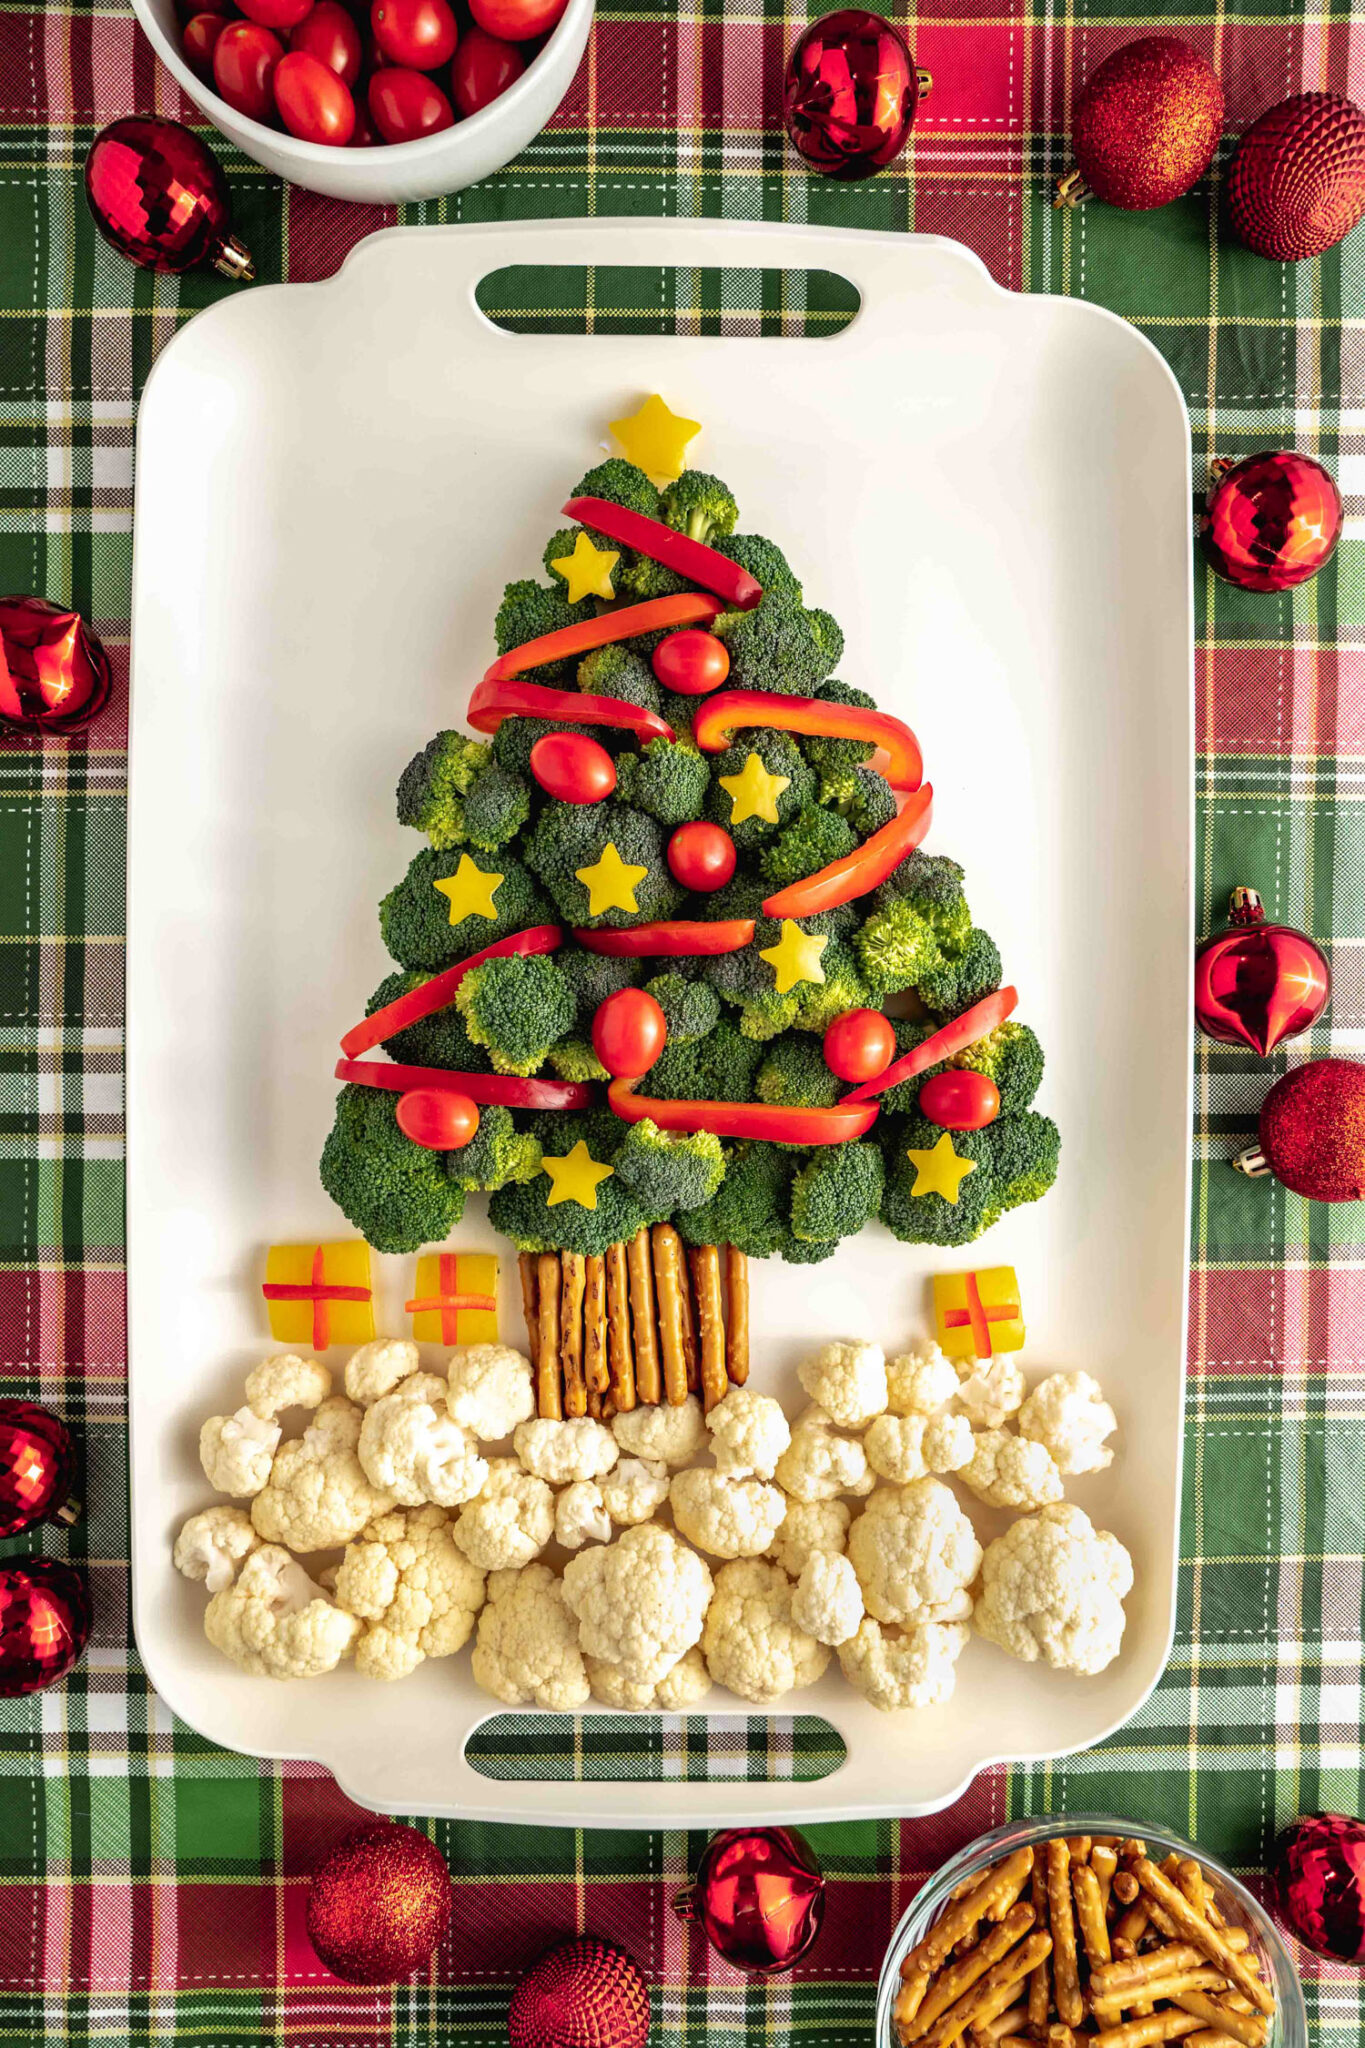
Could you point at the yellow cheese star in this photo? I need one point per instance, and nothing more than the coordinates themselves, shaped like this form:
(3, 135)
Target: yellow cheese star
(610, 882)
(587, 570)
(655, 439)
(939, 1172)
(753, 793)
(471, 891)
(795, 957)
(574, 1178)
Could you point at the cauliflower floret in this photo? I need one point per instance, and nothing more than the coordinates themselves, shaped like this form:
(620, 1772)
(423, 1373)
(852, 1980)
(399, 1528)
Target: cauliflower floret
(318, 1496)
(828, 1601)
(688, 1682)
(634, 1491)
(236, 1452)
(664, 1435)
(749, 1433)
(410, 1447)
(807, 1527)
(511, 1521)
(848, 1381)
(727, 1517)
(527, 1653)
(1053, 1587)
(640, 1602)
(915, 1553)
(212, 1545)
(913, 1667)
(751, 1642)
(581, 1516)
(286, 1381)
(418, 1593)
(1068, 1413)
(920, 1381)
(991, 1391)
(492, 1389)
(1008, 1471)
(818, 1464)
(275, 1623)
(564, 1451)
(377, 1368)
(906, 1447)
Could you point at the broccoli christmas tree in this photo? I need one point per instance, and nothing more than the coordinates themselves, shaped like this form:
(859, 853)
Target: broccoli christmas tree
(669, 910)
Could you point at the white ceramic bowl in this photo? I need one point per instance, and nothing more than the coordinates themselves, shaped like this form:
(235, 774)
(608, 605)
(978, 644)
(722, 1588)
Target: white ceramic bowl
(474, 148)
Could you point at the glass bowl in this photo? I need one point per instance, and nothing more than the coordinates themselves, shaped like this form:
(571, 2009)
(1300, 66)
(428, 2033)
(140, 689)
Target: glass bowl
(1288, 2028)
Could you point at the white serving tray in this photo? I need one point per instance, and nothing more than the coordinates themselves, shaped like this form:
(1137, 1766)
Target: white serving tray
(334, 481)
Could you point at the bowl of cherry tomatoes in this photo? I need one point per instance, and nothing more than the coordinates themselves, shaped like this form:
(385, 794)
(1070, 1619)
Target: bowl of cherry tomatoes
(373, 100)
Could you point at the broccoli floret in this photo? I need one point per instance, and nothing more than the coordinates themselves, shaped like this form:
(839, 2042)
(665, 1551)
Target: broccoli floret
(668, 779)
(527, 611)
(866, 799)
(833, 758)
(794, 1074)
(843, 988)
(690, 1008)
(639, 577)
(621, 483)
(897, 947)
(962, 979)
(1028, 1149)
(700, 505)
(414, 918)
(432, 788)
(764, 561)
(780, 755)
(523, 1213)
(595, 976)
(615, 672)
(717, 1068)
(518, 1007)
(438, 1041)
(836, 1192)
(1015, 1161)
(803, 1251)
(934, 884)
(749, 1210)
(778, 646)
(1013, 1058)
(829, 636)
(397, 1194)
(814, 839)
(568, 837)
(750, 981)
(498, 1153)
(496, 808)
(669, 1171)
(515, 737)
(573, 1059)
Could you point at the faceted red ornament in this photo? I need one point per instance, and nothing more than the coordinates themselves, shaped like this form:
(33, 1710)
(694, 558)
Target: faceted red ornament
(54, 674)
(1257, 984)
(1319, 1871)
(44, 1623)
(851, 93)
(1146, 126)
(581, 1994)
(158, 195)
(1296, 182)
(1272, 521)
(1312, 1132)
(36, 1462)
(378, 1905)
(760, 1895)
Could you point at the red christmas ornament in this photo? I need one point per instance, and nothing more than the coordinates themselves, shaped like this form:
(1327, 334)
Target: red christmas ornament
(581, 1994)
(1296, 182)
(1272, 521)
(1257, 984)
(1146, 126)
(760, 1895)
(851, 94)
(44, 1623)
(378, 1905)
(1312, 1132)
(36, 1461)
(1319, 1870)
(54, 674)
(158, 195)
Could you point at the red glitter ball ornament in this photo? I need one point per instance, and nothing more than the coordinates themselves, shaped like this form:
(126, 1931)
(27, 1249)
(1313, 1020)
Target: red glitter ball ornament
(158, 195)
(851, 93)
(760, 1895)
(1296, 182)
(1257, 984)
(1272, 521)
(54, 673)
(44, 1623)
(1312, 1132)
(378, 1905)
(581, 1994)
(1319, 1871)
(36, 1462)
(1146, 126)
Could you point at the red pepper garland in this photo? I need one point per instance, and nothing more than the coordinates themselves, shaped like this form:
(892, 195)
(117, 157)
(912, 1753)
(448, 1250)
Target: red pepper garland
(688, 558)
(729, 711)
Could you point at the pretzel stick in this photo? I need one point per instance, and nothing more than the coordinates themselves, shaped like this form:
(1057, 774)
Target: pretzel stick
(526, 1266)
(1110, 1980)
(1012, 2022)
(571, 1333)
(596, 1371)
(547, 1337)
(990, 1995)
(1090, 1914)
(1080, 1846)
(642, 1317)
(691, 1354)
(668, 1286)
(1216, 2012)
(1065, 1975)
(620, 1356)
(1060, 2036)
(1209, 1940)
(954, 1982)
(736, 1315)
(1108, 2011)
(1104, 1862)
(704, 1260)
(1208, 2038)
(1125, 1887)
(1145, 2033)
(989, 1898)
(1040, 1981)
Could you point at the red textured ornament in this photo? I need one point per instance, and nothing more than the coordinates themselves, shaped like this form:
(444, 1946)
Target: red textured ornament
(760, 1895)
(851, 94)
(581, 1994)
(378, 1905)
(37, 1458)
(1296, 182)
(1319, 1871)
(1146, 126)
(44, 1623)
(1272, 521)
(1258, 984)
(158, 195)
(54, 673)
(1312, 1132)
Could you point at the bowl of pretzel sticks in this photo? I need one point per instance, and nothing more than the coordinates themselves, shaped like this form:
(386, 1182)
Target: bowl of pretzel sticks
(1099, 1938)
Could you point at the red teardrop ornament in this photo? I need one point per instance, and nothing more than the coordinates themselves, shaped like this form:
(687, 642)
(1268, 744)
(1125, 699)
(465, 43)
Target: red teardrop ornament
(1319, 1871)
(1272, 521)
(851, 94)
(1258, 984)
(54, 673)
(158, 195)
(760, 1895)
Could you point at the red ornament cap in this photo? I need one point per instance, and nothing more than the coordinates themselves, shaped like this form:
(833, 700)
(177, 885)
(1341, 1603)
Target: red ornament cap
(44, 1623)
(1258, 984)
(1312, 1132)
(1146, 126)
(852, 91)
(1319, 1870)
(760, 1895)
(1296, 182)
(158, 195)
(54, 673)
(1272, 520)
(378, 1905)
(581, 1994)
(36, 1462)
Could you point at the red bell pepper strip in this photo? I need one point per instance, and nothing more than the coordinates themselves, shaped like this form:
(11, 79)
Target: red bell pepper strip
(508, 1089)
(689, 608)
(674, 938)
(945, 1044)
(677, 551)
(773, 1121)
(424, 1304)
(439, 992)
(719, 717)
(496, 698)
(861, 870)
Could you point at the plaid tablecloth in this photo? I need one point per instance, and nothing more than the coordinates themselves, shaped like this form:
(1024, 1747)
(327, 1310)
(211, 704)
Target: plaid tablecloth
(151, 1887)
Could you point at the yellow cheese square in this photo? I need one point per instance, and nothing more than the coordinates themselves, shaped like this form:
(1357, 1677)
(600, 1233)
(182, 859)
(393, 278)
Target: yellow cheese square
(330, 1297)
(978, 1314)
(441, 1275)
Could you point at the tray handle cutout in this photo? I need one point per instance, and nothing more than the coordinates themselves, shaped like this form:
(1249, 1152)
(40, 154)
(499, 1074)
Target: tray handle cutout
(637, 299)
(645, 1748)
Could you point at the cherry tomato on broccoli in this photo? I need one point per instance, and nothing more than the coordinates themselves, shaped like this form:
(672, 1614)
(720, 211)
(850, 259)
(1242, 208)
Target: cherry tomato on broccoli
(314, 104)
(570, 766)
(197, 43)
(628, 1033)
(692, 662)
(328, 33)
(281, 15)
(960, 1100)
(484, 67)
(421, 34)
(701, 856)
(244, 60)
(439, 1118)
(405, 105)
(859, 1045)
(517, 21)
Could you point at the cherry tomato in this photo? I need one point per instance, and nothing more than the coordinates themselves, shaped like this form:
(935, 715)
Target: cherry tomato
(244, 60)
(313, 102)
(197, 43)
(328, 33)
(439, 1118)
(701, 856)
(572, 767)
(406, 106)
(483, 69)
(628, 1033)
(419, 33)
(517, 21)
(281, 15)
(859, 1045)
(692, 661)
(960, 1100)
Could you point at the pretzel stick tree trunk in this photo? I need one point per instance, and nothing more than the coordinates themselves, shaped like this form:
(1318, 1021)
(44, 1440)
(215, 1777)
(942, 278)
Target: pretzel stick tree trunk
(596, 1371)
(704, 1260)
(620, 1351)
(548, 1402)
(736, 1315)
(571, 1333)
(670, 1284)
(642, 1317)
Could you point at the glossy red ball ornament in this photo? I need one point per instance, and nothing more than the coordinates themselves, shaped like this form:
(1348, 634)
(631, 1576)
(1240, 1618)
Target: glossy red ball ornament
(1145, 127)
(859, 1045)
(378, 1905)
(54, 673)
(1257, 984)
(760, 1895)
(581, 1994)
(691, 662)
(1318, 1866)
(573, 768)
(852, 89)
(158, 195)
(1312, 1132)
(701, 856)
(44, 1623)
(1272, 521)
(960, 1100)
(37, 1459)
(629, 1031)
(1296, 182)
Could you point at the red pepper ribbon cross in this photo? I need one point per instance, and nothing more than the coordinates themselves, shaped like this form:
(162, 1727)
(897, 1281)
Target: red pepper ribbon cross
(448, 1301)
(979, 1316)
(319, 1291)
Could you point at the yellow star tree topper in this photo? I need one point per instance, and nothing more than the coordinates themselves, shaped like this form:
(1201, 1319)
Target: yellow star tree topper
(587, 571)
(940, 1171)
(470, 890)
(574, 1178)
(753, 793)
(655, 439)
(796, 956)
(611, 882)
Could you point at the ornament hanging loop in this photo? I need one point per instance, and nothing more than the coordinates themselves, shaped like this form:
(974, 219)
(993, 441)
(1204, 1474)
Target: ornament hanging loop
(1071, 188)
(1245, 906)
(1253, 1163)
(234, 260)
(925, 81)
